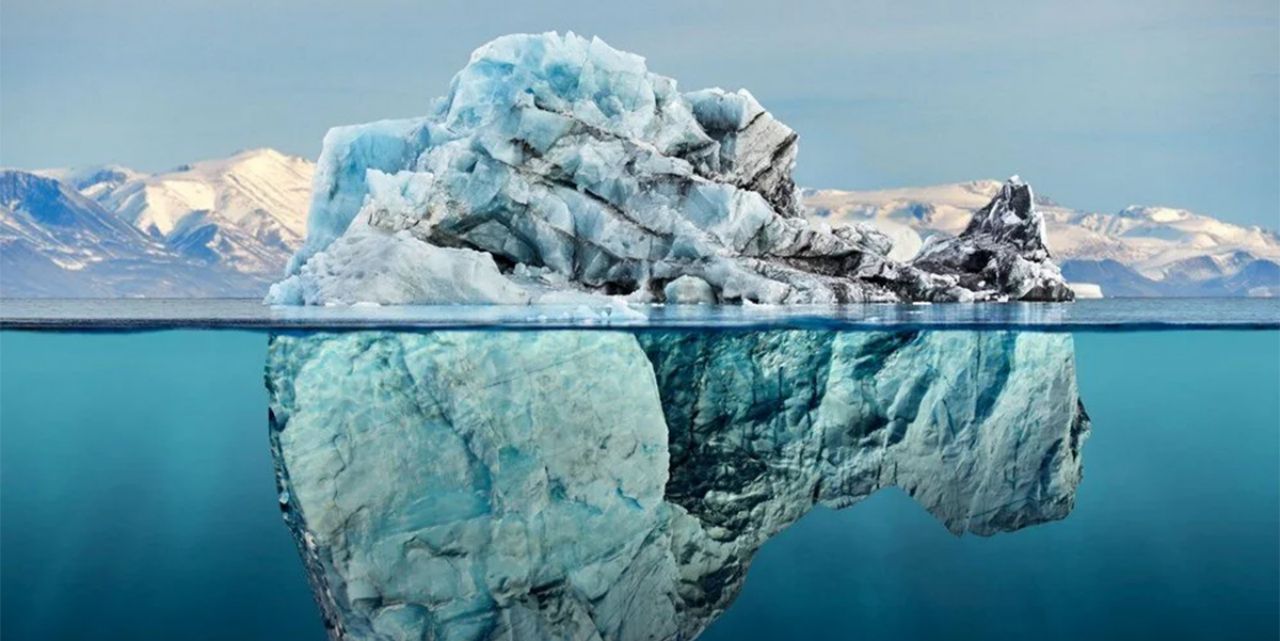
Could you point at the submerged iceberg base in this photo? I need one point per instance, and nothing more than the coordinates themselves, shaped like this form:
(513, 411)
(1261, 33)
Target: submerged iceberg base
(609, 485)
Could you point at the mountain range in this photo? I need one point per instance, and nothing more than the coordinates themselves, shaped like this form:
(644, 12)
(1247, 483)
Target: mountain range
(226, 228)
(1139, 251)
(216, 228)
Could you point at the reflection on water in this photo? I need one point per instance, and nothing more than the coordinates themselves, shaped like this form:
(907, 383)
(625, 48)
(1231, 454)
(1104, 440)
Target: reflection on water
(615, 485)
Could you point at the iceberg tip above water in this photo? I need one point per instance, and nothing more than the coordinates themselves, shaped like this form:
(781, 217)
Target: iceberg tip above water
(557, 164)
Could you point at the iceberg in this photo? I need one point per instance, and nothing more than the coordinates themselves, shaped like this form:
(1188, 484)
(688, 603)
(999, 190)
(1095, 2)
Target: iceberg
(605, 485)
(1002, 250)
(457, 485)
(561, 157)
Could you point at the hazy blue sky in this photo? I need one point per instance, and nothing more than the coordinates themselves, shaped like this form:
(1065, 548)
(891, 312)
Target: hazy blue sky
(1100, 104)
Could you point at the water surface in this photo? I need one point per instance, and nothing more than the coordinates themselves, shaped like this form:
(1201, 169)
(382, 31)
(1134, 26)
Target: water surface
(1108, 314)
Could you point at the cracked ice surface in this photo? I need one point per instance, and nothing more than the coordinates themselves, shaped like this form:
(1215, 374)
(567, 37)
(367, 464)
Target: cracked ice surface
(605, 485)
(557, 163)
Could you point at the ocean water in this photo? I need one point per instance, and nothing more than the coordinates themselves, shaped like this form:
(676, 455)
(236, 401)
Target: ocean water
(139, 498)
(1174, 534)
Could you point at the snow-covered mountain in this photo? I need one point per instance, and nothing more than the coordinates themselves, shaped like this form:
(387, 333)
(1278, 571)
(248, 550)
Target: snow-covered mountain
(1139, 251)
(226, 227)
(55, 241)
(246, 213)
(222, 227)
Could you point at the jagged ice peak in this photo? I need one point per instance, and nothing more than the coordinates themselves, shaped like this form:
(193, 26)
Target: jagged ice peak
(559, 168)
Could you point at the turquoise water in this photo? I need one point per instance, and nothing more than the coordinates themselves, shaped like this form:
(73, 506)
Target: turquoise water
(138, 498)
(138, 502)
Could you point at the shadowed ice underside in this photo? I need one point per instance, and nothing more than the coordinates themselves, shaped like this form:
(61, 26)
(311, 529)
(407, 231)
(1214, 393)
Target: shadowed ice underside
(616, 485)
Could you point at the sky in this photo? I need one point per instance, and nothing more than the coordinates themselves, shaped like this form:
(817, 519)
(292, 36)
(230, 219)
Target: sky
(1098, 104)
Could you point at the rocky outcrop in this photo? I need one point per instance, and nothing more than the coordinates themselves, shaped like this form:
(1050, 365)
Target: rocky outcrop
(1001, 252)
(563, 164)
(605, 485)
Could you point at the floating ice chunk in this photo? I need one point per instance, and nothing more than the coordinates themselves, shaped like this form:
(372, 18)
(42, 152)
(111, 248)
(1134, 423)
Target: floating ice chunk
(689, 290)
(560, 152)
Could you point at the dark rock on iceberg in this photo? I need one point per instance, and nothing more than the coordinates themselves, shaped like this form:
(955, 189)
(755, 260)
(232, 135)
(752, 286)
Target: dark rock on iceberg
(1002, 251)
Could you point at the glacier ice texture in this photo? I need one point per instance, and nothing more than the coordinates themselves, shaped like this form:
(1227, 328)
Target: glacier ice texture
(557, 163)
(580, 484)
(980, 256)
